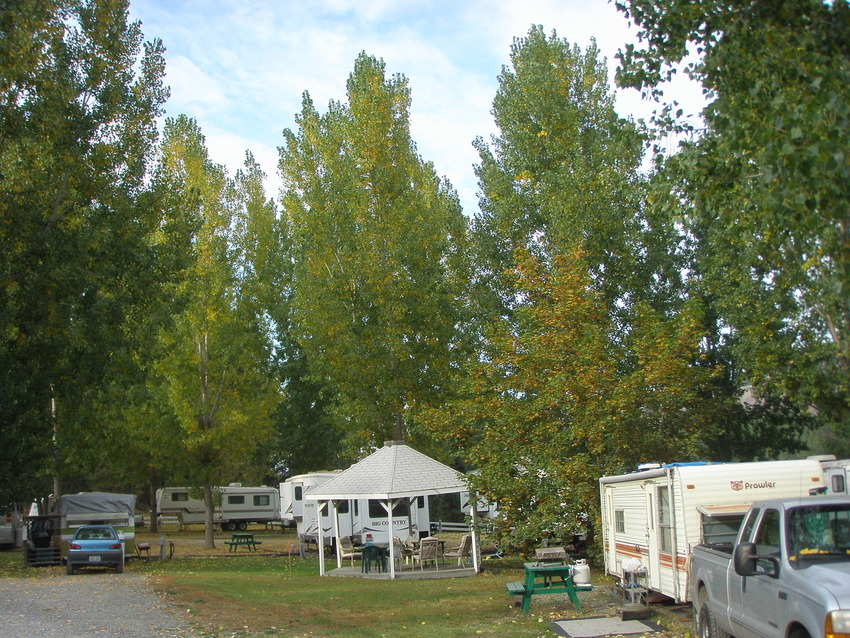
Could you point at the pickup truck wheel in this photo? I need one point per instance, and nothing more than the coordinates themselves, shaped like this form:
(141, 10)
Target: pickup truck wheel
(707, 626)
(799, 633)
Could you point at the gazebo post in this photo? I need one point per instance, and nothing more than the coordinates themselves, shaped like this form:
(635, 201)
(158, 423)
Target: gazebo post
(391, 530)
(336, 534)
(476, 550)
(321, 538)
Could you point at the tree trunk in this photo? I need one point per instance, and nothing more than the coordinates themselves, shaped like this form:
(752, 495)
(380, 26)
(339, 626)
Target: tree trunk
(152, 485)
(209, 538)
(399, 427)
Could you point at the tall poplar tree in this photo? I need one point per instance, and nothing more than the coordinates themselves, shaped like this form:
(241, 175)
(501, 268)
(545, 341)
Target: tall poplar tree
(763, 193)
(213, 365)
(562, 173)
(79, 98)
(590, 356)
(379, 256)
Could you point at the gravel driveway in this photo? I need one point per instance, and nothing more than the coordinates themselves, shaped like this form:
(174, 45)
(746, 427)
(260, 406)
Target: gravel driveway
(87, 604)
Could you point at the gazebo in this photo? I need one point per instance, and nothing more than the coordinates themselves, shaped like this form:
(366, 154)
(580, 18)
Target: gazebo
(394, 474)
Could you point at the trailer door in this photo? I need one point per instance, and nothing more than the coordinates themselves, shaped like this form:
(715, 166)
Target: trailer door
(609, 531)
(652, 559)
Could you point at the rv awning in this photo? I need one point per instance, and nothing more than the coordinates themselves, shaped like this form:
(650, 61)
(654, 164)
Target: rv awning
(723, 510)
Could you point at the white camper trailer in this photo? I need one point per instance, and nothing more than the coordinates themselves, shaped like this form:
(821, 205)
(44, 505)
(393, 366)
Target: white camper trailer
(235, 506)
(297, 512)
(357, 517)
(178, 502)
(652, 518)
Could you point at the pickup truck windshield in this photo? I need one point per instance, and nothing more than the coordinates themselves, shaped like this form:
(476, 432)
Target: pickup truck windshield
(818, 532)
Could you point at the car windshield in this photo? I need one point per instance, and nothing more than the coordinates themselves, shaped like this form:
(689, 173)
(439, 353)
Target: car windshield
(819, 532)
(94, 533)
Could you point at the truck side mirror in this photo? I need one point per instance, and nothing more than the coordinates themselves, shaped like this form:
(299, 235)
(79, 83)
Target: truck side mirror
(745, 562)
(744, 559)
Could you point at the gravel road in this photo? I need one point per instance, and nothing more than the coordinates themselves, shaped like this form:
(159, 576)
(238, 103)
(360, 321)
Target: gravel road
(86, 604)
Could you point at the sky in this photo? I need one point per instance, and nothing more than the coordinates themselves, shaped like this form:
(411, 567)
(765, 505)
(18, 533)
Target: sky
(241, 68)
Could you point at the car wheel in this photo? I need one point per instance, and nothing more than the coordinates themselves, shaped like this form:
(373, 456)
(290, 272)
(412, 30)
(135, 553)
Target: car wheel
(707, 625)
(69, 567)
(799, 633)
(119, 568)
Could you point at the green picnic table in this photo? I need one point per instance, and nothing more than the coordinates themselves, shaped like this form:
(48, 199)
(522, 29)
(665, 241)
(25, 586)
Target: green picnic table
(242, 540)
(546, 578)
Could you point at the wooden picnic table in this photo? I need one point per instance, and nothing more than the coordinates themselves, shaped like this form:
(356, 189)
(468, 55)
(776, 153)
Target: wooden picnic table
(546, 578)
(242, 539)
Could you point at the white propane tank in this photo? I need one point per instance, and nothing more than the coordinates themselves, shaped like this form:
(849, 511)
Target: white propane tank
(581, 572)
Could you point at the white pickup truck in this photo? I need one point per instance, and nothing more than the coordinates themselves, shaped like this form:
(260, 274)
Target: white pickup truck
(786, 576)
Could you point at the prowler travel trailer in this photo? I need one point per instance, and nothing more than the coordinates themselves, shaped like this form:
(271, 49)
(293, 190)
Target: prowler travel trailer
(652, 518)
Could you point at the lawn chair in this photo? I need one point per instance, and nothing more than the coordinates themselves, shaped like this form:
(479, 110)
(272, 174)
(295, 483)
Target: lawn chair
(401, 551)
(347, 550)
(462, 552)
(429, 550)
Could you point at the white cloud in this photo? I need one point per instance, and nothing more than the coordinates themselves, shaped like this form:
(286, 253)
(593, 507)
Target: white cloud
(193, 90)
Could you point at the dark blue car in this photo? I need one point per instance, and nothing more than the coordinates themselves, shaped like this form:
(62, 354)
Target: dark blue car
(95, 546)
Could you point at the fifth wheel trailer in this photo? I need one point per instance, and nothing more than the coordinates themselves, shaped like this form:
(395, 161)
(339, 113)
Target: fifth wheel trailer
(235, 506)
(654, 517)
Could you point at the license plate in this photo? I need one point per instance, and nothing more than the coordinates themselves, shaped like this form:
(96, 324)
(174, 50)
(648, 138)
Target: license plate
(94, 559)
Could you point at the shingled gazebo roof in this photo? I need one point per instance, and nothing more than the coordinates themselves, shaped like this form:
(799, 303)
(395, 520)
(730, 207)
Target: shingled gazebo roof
(394, 471)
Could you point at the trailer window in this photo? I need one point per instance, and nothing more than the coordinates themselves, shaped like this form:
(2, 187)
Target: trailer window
(620, 521)
(179, 496)
(722, 528)
(838, 484)
(299, 492)
(236, 500)
(376, 509)
(665, 528)
(261, 500)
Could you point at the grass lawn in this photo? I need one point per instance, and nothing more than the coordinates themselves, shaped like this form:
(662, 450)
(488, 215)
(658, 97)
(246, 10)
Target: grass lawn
(283, 596)
(274, 593)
